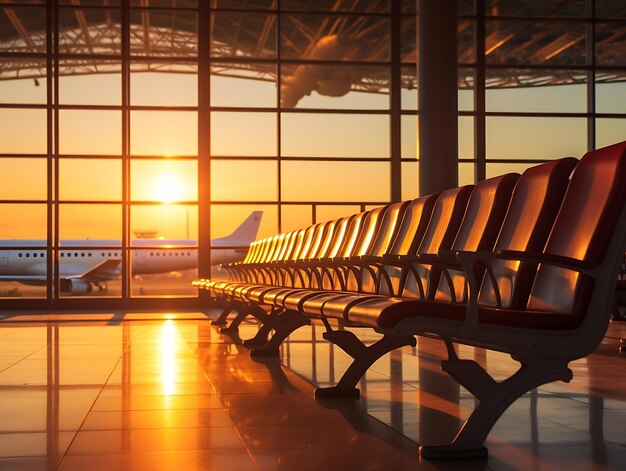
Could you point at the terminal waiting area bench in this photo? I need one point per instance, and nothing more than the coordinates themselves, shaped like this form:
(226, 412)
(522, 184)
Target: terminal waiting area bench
(521, 264)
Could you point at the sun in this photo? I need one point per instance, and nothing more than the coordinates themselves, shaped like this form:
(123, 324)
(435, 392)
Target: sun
(168, 188)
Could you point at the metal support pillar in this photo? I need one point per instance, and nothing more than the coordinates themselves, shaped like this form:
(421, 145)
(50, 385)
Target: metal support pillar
(437, 93)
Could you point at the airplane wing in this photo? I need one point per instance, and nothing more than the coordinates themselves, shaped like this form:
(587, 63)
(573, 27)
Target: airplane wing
(103, 271)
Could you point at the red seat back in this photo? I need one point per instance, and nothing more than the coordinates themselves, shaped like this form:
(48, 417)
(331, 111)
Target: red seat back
(535, 202)
(583, 230)
(481, 224)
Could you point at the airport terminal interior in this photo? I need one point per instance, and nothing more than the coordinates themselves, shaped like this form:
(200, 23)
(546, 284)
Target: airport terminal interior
(146, 144)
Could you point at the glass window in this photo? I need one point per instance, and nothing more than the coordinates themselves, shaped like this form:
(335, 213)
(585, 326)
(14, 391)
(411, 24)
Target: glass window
(90, 179)
(538, 42)
(163, 33)
(535, 138)
(610, 9)
(23, 80)
(467, 173)
(164, 181)
(465, 41)
(611, 92)
(335, 135)
(90, 31)
(410, 180)
(371, 6)
(90, 132)
(295, 216)
(408, 39)
(523, 90)
(466, 137)
(610, 43)
(23, 179)
(27, 133)
(23, 221)
(335, 181)
(163, 272)
(164, 133)
(242, 34)
(243, 85)
(328, 212)
(244, 180)
(465, 96)
(90, 83)
(335, 37)
(609, 131)
(225, 218)
(243, 134)
(550, 8)
(498, 168)
(409, 137)
(32, 19)
(164, 224)
(159, 84)
(408, 92)
(91, 223)
(334, 86)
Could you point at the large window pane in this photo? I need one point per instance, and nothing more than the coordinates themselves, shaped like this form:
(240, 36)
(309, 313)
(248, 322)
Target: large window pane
(334, 86)
(163, 271)
(336, 37)
(328, 212)
(538, 42)
(295, 216)
(90, 179)
(410, 180)
(164, 224)
(335, 135)
(23, 221)
(23, 179)
(239, 34)
(611, 92)
(521, 90)
(225, 218)
(27, 132)
(335, 181)
(159, 84)
(497, 168)
(32, 20)
(243, 134)
(90, 31)
(80, 79)
(409, 137)
(90, 223)
(610, 47)
(90, 132)
(244, 180)
(535, 138)
(243, 85)
(557, 8)
(164, 133)
(23, 80)
(466, 137)
(610, 131)
(165, 181)
(164, 33)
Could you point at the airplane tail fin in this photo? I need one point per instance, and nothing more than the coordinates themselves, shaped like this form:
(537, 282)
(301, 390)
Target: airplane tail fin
(246, 232)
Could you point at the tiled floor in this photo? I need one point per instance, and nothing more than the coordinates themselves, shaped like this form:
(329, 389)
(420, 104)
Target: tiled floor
(157, 392)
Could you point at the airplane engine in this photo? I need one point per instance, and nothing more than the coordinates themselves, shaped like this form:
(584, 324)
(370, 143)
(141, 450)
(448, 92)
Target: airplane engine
(75, 286)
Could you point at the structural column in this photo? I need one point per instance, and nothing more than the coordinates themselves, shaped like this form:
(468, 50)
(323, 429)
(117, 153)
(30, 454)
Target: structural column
(437, 94)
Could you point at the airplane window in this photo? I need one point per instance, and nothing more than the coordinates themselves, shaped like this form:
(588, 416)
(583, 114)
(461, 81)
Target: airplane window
(152, 254)
(89, 254)
(19, 254)
(27, 255)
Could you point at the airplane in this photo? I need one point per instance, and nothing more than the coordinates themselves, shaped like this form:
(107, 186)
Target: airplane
(82, 268)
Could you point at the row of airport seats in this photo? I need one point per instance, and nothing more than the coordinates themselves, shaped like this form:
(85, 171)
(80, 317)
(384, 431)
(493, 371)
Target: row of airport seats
(522, 264)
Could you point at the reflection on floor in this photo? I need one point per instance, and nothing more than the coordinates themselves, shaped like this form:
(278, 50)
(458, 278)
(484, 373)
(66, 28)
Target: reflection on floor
(157, 392)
